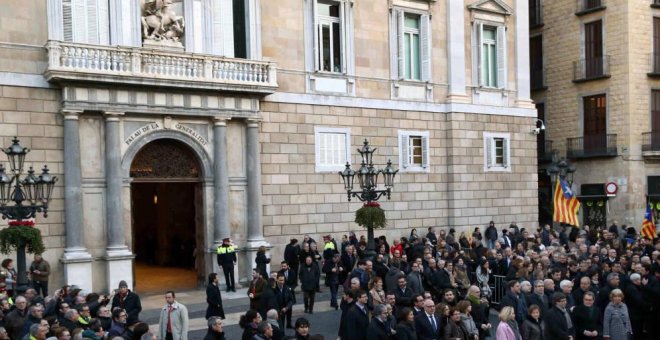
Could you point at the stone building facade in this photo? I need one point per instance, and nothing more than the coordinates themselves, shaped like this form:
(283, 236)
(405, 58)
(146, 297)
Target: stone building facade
(594, 80)
(243, 112)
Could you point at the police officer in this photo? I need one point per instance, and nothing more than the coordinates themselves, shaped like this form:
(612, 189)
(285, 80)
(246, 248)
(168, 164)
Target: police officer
(227, 260)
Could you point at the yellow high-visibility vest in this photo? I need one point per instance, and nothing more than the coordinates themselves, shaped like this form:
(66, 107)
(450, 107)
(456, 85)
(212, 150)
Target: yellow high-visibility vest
(329, 245)
(225, 250)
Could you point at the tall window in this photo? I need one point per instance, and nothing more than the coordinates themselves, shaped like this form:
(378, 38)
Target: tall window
(489, 57)
(656, 44)
(536, 62)
(86, 21)
(332, 148)
(329, 36)
(535, 13)
(595, 122)
(410, 45)
(593, 49)
(655, 112)
(411, 42)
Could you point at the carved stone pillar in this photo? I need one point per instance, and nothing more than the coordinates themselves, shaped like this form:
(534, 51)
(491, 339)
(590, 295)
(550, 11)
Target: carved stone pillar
(76, 259)
(221, 181)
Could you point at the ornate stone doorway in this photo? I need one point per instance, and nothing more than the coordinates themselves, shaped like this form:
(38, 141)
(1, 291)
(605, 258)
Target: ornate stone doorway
(167, 217)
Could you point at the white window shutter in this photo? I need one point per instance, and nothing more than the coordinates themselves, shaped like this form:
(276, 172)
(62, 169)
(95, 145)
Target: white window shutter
(404, 145)
(425, 152)
(79, 20)
(103, 22)
(425, 43)
(400, 19)
(67, 20)
(216, 24)
(489, 152)
(342, 34)
(505, 152)
(501, 57)
(317, 51)
(92, 22)
(394, 45)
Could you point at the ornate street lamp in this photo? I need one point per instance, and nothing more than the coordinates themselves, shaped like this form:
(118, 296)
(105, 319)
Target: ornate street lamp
(367, 177)
(29, 195)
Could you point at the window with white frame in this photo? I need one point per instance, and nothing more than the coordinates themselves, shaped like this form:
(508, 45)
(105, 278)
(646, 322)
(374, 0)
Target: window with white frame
(489, 54)
(332, 148)
(497, 151)
(414, 151)
(410, 45)
(86, 21)
(329, 36)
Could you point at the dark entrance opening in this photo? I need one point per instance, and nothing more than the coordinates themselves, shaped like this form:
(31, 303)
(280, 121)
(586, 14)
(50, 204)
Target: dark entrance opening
(167, 219)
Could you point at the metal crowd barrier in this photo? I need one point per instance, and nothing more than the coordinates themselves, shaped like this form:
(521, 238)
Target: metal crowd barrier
(498, 289)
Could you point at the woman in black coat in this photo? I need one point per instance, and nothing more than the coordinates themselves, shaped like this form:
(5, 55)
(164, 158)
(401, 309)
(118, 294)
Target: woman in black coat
(533, 327)
(454, 328)
(214, 298)
(405, 329)
(261, 260)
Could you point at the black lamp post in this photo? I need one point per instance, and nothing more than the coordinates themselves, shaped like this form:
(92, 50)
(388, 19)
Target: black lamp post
(560, 169)
(368, 180)
(33, 190)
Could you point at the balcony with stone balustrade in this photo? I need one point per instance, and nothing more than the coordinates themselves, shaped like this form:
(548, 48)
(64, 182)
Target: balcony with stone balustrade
(70, 62)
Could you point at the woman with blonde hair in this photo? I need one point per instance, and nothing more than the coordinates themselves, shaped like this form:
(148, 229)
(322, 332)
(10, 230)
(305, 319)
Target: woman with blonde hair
(376, 292)
(616, 322)
(508, 328)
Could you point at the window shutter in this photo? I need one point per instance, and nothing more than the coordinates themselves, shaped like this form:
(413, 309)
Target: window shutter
(405, 141)
(400, 19)
(489, 152)
(79, 20)
(216, 24)
(92, 23)
(505, 152)
(315, 20)
(342, 34)
(477, 52)
(425, 43)
(501, 57)
(103, 22)
(425, 152)
(67, 20)
(394, 45)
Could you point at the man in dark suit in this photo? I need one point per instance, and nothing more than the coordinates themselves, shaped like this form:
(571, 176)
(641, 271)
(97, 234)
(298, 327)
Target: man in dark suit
(290, 275)
(557, 318)
(379, 327)
(538, 297)
(348, 261)
(427, 324)
(291, 252)
(586, 317)
(418, 307)
(357, 321)
(285, 301)
(403, 294)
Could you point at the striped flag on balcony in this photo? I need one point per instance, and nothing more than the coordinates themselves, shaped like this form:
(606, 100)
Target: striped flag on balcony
(648, 225)
(566, 204)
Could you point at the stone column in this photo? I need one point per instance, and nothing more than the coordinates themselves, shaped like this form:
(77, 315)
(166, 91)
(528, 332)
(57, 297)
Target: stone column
(76, 259)
(456, 46)
(119, 258)
(255, 235)
(220, 181)
(522, 56)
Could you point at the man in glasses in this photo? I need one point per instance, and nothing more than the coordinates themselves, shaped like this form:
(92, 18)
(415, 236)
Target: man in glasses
(427, 324)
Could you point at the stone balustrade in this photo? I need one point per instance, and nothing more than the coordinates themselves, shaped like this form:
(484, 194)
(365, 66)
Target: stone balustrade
(137, 65)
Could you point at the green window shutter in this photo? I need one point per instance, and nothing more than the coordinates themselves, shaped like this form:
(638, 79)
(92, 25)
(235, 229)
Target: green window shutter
(501, 57)
(425, 46)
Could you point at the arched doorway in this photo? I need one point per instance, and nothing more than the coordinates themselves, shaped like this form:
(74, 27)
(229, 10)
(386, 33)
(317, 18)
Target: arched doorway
(167, 217)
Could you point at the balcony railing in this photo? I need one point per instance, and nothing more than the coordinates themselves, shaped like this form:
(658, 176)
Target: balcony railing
(592, 146)
(651, 141)
(591, 69)
(654, 64)
(537, 79)
(143, 66)
(589, 6)
(535, 13)
(544, 150)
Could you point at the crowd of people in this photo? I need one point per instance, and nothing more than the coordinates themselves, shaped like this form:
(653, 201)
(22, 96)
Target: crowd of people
(569, 283)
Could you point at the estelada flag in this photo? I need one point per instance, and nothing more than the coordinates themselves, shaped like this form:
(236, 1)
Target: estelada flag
(566, 204)
(648, 225)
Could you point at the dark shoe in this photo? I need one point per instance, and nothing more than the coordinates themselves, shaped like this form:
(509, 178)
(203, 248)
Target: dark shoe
(305, 311)
(233, 289)
(289, 326)
(311, 311)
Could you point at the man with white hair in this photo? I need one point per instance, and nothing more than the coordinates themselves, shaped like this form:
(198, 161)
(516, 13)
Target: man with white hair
(378, 328)
(567, 288)
(272, 319)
